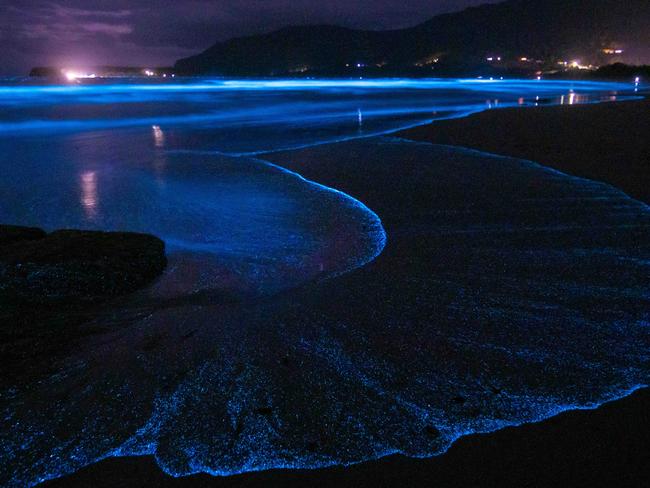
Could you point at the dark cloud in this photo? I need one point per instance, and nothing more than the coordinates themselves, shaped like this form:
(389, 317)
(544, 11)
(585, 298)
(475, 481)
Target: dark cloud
(157, 32)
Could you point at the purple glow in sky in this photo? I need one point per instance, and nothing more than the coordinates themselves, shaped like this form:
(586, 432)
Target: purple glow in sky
(157, 32)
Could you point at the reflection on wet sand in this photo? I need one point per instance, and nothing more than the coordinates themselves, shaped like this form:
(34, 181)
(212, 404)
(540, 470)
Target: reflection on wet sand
(89, 197)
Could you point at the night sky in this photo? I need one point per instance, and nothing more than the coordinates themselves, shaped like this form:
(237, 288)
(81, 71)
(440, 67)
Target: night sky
(157, 32)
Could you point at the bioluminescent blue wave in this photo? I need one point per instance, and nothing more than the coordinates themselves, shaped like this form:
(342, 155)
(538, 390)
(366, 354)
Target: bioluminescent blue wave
(324, 305)
(263, 228)
(250, 116)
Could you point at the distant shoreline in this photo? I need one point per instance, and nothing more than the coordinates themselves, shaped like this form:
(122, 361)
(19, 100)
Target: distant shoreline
(606, 73)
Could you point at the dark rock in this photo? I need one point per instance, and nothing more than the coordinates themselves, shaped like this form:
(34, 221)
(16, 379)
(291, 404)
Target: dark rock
(52, 286)
(13, 233)
(71, 265)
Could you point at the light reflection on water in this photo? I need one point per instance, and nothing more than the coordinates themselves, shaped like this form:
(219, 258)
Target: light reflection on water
(89, 199)
(158, 136)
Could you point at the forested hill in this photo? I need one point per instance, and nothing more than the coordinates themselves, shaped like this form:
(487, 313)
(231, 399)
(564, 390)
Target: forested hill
(545, 31)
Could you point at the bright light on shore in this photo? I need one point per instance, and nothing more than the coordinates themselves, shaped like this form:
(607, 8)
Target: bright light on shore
(75, 75)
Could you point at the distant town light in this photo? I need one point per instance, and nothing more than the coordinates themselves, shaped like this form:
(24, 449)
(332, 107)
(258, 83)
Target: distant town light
(576, 64)
(75, 75)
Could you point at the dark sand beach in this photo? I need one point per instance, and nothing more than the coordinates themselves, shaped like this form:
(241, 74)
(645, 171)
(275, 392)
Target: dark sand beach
(603, 142)
(608, 446)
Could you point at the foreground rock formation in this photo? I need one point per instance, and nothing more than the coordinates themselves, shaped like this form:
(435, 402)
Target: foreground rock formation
(53, 285)
(71, 265)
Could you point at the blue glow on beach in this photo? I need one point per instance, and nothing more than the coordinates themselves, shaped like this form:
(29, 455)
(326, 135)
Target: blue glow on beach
(301, 325)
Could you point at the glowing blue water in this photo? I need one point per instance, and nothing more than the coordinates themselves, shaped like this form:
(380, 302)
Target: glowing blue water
(236, 224)
(506, 293)
(239, 116)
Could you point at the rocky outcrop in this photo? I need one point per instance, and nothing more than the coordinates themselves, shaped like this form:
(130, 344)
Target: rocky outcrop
(71, 265)
(12, 233)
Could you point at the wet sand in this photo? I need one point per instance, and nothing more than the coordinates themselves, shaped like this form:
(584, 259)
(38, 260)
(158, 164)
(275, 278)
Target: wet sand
(606, 142)
(607, 446)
